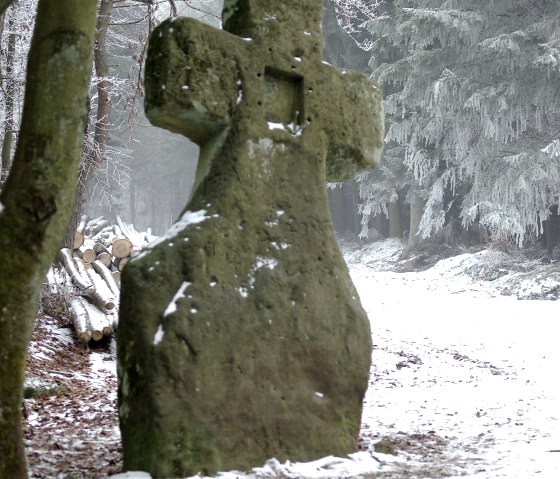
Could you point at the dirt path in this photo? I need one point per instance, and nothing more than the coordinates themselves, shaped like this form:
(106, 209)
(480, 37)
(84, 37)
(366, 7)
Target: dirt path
(73, 434)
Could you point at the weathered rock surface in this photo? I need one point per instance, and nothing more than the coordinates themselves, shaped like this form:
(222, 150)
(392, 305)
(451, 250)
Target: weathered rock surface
(241, 335)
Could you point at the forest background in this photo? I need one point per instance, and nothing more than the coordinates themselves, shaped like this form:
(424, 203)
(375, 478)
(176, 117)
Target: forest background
(472, 110)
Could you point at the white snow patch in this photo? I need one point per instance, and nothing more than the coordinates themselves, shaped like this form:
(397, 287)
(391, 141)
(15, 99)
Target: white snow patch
(275, 126)
(172, 306)
(189, 218)
(292, 128)
(277, 246)
(159, 335)
(1, 207)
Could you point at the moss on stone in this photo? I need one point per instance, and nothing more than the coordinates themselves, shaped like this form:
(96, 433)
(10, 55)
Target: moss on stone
(267, 350)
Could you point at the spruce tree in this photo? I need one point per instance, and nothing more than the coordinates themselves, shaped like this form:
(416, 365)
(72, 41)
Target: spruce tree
(472, 111)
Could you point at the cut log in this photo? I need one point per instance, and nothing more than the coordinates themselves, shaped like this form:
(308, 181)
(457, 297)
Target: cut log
(93, 222)
(105, 258)
(83, 270)
(121, 247)
(104, 272)
(120, 263)
(80, 320)
(100, 248)
(117, 277)
(105, 232)
(80, 281)
(78, 240)
(98, 320)
(82, 224)
(87, 254)
(134, 253)
(129, 232)
(93, 229)
(100, 293)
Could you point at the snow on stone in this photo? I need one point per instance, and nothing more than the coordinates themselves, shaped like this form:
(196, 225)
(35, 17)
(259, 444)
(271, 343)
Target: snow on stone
(275, 126)
(292, 128)
(261, 262)
(159, 335)
(172, 306)
(277, 246)
(188, 219)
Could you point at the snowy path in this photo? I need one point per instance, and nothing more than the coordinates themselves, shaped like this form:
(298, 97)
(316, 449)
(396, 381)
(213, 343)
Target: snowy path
(463, 381)
(454, 361)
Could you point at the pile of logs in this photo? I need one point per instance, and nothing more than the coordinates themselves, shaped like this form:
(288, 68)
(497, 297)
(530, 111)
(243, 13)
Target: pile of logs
(101, 250)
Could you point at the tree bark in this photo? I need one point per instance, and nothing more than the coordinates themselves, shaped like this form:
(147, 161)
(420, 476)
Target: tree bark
(395, 230)
(4, 4)
(9, 85)
(38, 193)
(104, 106)
(416, 211)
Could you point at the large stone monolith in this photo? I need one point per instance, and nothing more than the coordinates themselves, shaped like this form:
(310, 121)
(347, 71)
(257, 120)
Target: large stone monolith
(241, 334)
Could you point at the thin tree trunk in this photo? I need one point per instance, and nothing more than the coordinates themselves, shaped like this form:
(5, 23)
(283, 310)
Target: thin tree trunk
(132, 199)
(395, 230)
(9, 84)
(4, 4)
(104, 105)
(416, 211)
(92, 160)
(356, 224)
(37, 196)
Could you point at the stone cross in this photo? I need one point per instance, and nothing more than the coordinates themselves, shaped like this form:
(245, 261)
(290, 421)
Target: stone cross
(241, 335)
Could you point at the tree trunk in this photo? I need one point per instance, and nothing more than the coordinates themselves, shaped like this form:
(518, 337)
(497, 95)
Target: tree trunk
(416, 211)
(104, 106)
(357, 225)
(395, 230)
(4, 4)
(37, 196)
(9, 85)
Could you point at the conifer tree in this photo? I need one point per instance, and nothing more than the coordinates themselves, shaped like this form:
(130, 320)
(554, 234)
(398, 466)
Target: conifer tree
(472, 111)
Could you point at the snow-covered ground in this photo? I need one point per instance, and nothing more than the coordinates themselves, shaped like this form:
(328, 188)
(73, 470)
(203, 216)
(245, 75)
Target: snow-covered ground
(463, 381)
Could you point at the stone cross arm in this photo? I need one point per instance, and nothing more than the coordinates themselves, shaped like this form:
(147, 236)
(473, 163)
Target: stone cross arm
(203, 80)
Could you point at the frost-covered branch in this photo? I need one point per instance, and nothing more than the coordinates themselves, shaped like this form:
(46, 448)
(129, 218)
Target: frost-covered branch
(353, 15)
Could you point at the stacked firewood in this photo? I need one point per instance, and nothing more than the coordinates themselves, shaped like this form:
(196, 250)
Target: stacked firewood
(100, 252)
